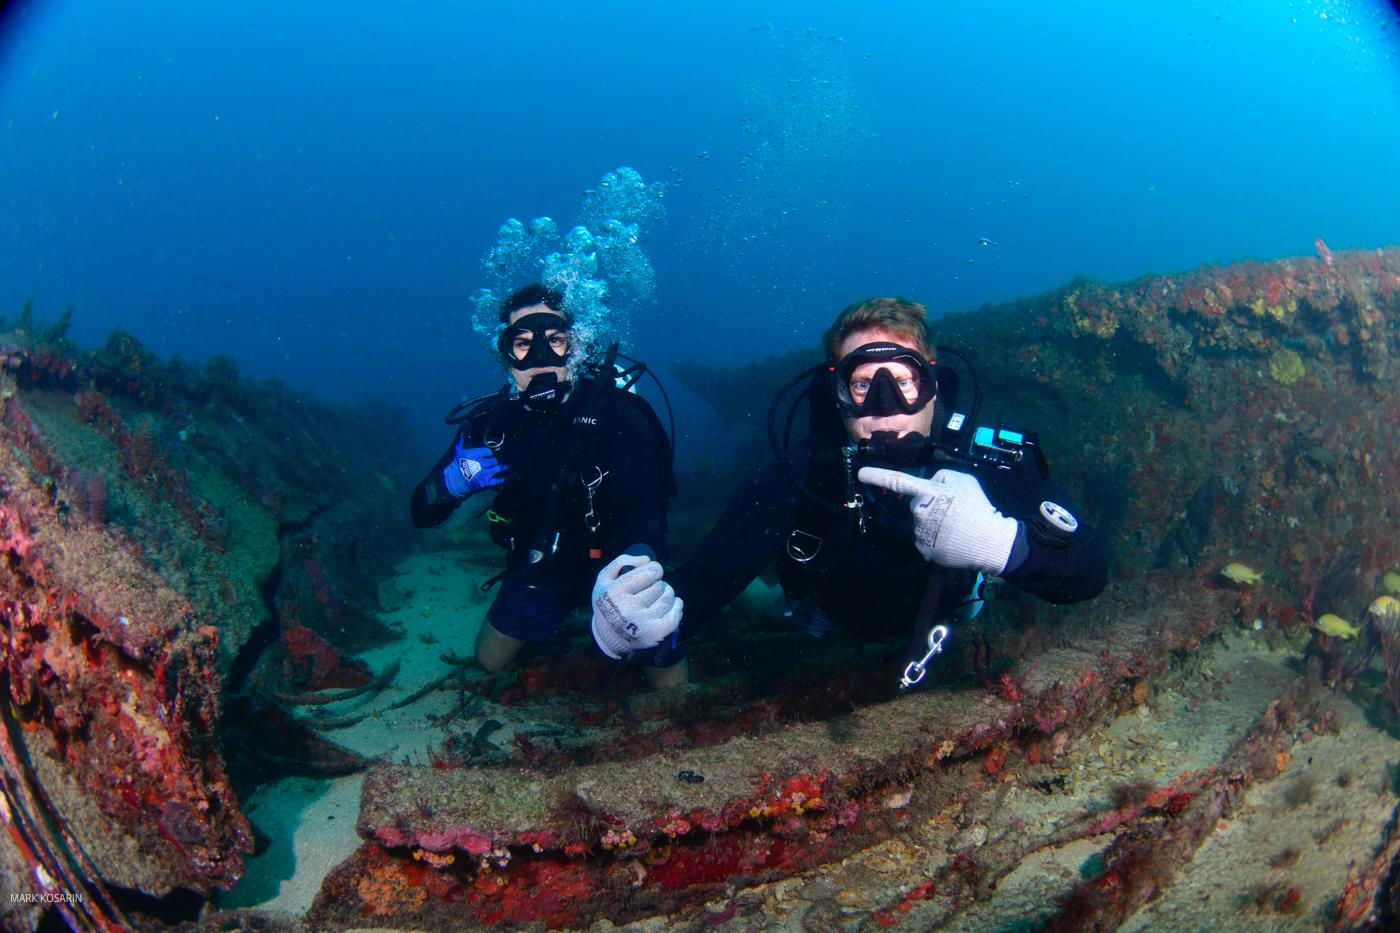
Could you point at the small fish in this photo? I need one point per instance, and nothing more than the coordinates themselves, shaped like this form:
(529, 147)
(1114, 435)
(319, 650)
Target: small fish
(1392, 582)
(1385, 607)
(1336, 626)
(985, 241)
(1241, 573)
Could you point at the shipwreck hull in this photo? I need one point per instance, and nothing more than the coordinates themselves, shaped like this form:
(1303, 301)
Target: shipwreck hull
(169, 553)
(899, 814)
(153, 528)
(632, 838)
(1238, 413)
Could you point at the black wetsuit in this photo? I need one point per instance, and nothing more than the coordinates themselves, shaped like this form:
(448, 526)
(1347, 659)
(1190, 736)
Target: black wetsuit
(626, 453)
(870, 582)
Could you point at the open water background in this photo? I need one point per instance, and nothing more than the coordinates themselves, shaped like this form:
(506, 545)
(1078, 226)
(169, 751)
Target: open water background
(310, 187)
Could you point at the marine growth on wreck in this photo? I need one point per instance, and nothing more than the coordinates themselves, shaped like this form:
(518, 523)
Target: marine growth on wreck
(235, 696)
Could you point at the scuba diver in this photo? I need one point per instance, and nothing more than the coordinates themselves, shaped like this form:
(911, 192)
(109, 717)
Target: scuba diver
(581, 470)
(888, 521)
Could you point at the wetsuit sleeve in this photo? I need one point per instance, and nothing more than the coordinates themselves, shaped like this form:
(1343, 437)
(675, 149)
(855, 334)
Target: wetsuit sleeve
(1062, 573)
(749, 534)
(1063, 570)
(636, 500)
(431, 503)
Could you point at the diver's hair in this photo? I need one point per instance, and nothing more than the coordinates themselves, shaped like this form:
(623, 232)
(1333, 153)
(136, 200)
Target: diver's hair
(531, 295)
(907, 320)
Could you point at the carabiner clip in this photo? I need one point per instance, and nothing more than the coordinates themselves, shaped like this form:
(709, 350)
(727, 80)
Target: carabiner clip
(914, 671)
(590, 518)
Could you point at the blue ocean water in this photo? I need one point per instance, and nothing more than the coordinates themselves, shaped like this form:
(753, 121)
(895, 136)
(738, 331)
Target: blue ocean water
(310, 188)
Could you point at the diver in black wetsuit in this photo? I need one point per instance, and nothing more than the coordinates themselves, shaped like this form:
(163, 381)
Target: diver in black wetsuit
(583, 472)
(875, 525)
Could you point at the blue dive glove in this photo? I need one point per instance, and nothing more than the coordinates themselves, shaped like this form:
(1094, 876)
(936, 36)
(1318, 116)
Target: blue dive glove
(472, 469)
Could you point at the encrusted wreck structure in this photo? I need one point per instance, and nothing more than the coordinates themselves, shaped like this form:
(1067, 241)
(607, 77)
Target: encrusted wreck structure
(164, 530)
(1072, 766)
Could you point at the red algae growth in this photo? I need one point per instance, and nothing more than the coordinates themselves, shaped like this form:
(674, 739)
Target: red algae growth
(139, 560)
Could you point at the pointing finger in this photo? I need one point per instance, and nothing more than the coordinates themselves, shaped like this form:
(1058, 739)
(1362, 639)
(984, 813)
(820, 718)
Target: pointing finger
(893, 480)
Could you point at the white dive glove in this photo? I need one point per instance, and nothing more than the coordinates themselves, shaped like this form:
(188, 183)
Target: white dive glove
(633, 610)
(954, 524)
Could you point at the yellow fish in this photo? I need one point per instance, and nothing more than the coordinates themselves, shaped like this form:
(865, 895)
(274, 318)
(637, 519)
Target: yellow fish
(1336, 626)
(1387, 607)
(1392, 581)
(1240, 573)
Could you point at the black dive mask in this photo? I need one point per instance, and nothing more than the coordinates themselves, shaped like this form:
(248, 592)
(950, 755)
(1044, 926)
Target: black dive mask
(887, 391)
(545, 393)
(542, 352)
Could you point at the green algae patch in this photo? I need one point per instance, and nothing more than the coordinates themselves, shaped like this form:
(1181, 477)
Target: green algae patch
(1286, 367)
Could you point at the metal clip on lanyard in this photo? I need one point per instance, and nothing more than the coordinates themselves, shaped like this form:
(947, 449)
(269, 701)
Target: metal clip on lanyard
(590, 518)
(854, 498)
(914, 672)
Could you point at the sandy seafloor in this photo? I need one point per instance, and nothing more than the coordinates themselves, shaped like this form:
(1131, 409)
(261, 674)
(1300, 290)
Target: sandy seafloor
(311, 821)
(1325, 812)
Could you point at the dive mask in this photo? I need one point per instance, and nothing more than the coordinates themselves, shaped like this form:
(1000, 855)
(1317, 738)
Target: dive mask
(903, 384)
(528, 344)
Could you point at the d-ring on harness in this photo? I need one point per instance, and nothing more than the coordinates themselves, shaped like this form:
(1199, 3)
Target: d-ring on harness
(915, 670)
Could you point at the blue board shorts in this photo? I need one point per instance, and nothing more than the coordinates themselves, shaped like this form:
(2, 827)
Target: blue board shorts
(535, 613)
(532, 613)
